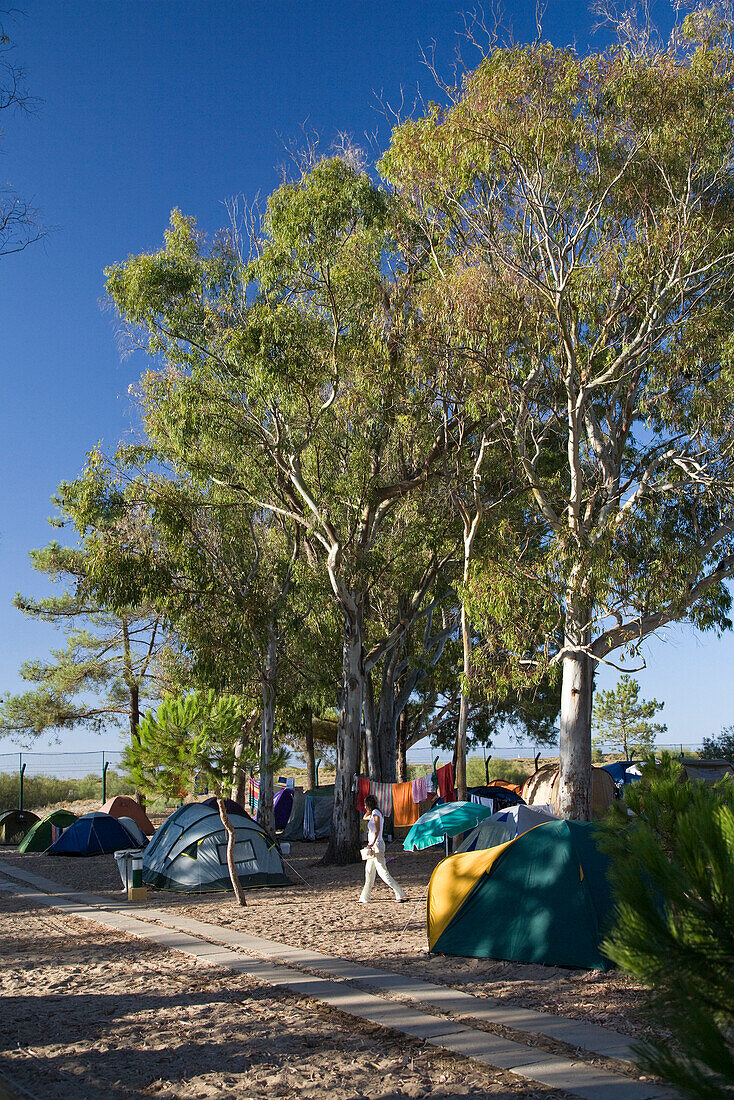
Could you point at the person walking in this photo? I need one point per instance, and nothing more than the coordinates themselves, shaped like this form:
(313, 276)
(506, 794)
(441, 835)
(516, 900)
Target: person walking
(375, 863)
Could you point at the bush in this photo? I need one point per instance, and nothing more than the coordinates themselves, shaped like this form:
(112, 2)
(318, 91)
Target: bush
(47, 790)
(673, 879)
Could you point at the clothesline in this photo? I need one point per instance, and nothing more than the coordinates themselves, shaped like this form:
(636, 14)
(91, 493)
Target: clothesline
(402, 800)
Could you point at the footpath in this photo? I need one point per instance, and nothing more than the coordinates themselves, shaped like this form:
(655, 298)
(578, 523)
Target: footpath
(436, 1014)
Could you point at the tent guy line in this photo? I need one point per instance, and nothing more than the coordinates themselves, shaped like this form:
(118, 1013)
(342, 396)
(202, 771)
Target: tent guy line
(288, 968)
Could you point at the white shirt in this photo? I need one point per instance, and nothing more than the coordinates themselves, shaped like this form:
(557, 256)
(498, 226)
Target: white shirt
(374, 828)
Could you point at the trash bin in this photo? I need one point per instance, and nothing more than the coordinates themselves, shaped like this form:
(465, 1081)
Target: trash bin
(124, 861)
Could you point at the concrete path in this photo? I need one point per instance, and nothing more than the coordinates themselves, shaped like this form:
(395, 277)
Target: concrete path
(359, 991)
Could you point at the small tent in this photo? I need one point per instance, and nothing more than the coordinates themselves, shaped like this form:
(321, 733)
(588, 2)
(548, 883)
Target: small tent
(14, 824)
(503, 826)
(42, 835)
(540, 898)
(500, 794)
(282, 806)
(93, 835)
(134, 830)
(124, 806)
(310, 817)
(541, 789)
(189, 853)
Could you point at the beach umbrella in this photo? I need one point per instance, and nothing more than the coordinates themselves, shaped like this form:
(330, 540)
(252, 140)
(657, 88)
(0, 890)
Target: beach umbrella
(441, 822)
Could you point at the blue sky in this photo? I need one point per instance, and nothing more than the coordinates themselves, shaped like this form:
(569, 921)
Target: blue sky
(151, 104)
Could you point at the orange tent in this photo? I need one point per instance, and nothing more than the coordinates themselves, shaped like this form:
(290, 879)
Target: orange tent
(542, 788)
(124, 806)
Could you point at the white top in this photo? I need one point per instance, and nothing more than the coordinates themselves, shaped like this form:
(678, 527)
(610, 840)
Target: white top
(374, 827)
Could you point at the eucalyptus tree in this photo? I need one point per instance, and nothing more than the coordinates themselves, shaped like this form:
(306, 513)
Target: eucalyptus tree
(580, 213)
(286, 382)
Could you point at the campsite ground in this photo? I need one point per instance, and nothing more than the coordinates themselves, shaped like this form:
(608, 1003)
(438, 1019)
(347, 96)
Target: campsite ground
(121, 1018)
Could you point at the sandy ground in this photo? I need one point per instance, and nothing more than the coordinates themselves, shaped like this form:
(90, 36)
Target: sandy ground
(87, 1014)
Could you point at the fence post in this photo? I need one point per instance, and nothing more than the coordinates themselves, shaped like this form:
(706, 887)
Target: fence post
(105, 766)
(21, 767)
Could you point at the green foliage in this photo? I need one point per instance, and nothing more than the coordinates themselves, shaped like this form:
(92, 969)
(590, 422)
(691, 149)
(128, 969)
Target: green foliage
(673, 879)
(720, 747)
(45, 790)
(622, 719)
(514, 771)
(189, 735)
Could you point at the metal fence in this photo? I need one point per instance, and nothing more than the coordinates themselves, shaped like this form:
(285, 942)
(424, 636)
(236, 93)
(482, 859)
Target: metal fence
(29, 779)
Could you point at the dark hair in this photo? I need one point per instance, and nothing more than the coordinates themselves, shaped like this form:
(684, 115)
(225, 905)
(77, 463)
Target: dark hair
(370, 802)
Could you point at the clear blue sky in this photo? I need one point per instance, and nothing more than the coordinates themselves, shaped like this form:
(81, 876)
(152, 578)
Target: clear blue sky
(149, 105)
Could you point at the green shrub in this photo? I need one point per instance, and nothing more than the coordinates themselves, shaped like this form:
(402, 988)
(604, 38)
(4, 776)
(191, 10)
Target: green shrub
(673, 879)
(47, 790)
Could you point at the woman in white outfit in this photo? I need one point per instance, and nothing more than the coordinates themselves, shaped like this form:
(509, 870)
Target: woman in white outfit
(375, 863)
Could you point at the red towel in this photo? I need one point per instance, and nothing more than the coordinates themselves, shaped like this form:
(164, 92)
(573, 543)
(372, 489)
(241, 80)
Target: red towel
(445, 777)
(363, 789)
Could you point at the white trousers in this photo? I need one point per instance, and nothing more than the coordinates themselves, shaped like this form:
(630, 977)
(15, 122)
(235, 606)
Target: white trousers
(376, 865)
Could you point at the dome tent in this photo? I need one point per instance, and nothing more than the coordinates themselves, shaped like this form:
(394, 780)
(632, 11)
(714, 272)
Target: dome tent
(503, 826)
(541, 789)
(93, 835)
(47, 830)
(540, 898)
(14, 824)
(189, 853)
(124, 806)
(321, 803)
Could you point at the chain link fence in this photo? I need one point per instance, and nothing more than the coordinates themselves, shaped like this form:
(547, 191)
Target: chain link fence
(30, 780)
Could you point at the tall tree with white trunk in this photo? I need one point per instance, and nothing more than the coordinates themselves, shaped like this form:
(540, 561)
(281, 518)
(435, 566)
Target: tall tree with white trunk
(583, 208)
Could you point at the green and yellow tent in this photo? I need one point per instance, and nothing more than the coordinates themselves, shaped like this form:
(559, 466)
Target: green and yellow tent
(540, 898)
(43, 834)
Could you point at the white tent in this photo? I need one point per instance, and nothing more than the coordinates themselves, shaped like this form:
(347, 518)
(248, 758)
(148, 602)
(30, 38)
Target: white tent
(506, 825)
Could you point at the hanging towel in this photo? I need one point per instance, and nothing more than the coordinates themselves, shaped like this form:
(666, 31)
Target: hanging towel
(420, 791)
(309, 821)
(445, 777)
(405, 811)
(383, 793)
(363, 789)
(431, 783)
(254, 795)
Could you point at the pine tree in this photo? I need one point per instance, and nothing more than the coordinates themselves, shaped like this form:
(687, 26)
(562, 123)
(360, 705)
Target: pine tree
(673, 877)
(622, 719)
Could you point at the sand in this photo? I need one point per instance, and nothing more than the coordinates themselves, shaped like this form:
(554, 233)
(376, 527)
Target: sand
(87, 1013)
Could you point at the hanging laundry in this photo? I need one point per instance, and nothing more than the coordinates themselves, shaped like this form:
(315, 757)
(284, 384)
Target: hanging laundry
(445, 778)
(363, 789)
(383, 793)
(420, 791)
(482, 801)
(405, 811)
(309, 819)
(253, 795)
(431, 783)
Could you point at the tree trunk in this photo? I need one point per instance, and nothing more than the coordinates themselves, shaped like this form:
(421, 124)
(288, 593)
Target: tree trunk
(574, 781)
(343, 846)
(239, 893)
(371, 730)
(265, 813)
(134, 697)
(388, 719)
(310, 752)
(239, 771)
(402, 760)
(460, 776)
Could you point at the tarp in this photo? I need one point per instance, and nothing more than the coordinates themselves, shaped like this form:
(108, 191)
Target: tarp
(445, 820)
(189, 853)
(14, 824)
(323, 807)
(540, 898)
(503, 826)
(501, 794)
(124, 806)
(619, 770)
(708, 770)
(542, 789)
(93, 835)
(230, 806)
(45, 831)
